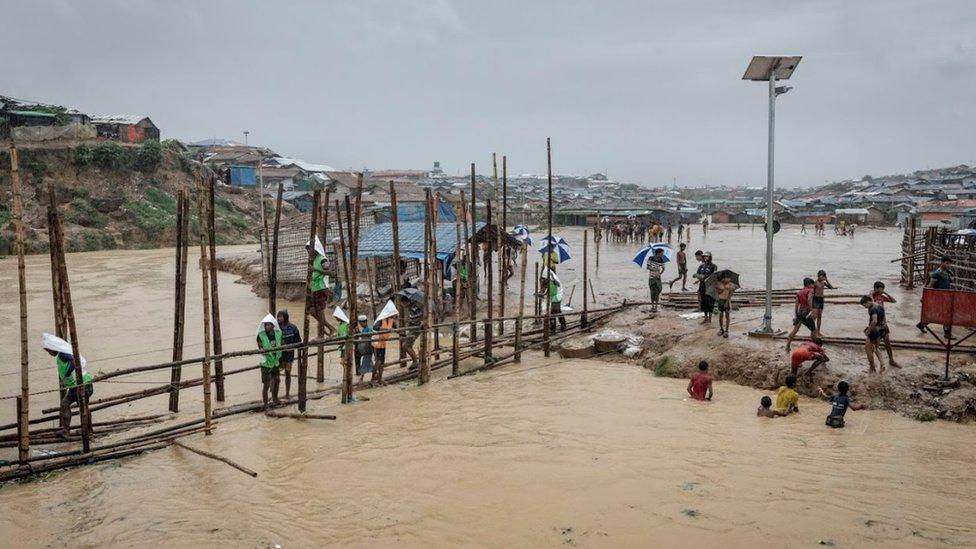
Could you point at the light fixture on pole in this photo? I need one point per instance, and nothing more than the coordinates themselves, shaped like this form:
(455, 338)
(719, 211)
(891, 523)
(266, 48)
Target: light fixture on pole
(770, 68)
(245, 137)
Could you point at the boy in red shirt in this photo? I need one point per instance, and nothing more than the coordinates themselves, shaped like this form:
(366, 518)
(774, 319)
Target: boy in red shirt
(700, 385)
(808, 350)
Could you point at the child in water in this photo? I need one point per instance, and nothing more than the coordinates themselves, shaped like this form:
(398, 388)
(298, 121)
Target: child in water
(839, 405)
(765, 409)
(700, 384)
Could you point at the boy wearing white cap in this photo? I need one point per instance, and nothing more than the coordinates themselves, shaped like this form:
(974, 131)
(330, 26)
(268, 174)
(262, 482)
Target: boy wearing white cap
(63, 355)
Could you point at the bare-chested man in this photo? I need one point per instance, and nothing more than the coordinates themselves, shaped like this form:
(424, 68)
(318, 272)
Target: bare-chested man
(817, 304)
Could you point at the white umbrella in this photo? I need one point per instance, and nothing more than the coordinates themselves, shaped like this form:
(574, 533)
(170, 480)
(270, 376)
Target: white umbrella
(54, 343)
(388, 310)
(319, 248)
(269, 319)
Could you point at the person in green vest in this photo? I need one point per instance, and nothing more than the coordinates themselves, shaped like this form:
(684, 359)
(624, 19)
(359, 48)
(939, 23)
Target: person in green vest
(320, 285)
(342, 330)
(64, 358)
(555, 295)
(269, 337)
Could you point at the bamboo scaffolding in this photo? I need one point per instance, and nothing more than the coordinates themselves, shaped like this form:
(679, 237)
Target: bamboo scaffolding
(55, 237)
(489, 285)
(521, 309)
(397, 274)
(299, 416)
(586, 253)
(436, 278)
(205, 293)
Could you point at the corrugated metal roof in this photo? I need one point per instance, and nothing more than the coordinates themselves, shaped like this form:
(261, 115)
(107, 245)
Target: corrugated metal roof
(131, 119)
(377, 241)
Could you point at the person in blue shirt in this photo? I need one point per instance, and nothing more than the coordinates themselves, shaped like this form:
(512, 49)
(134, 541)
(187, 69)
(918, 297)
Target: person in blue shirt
(839, 405)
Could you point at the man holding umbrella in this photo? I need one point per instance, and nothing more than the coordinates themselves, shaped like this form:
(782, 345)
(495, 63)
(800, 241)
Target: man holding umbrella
(64, 356)
(655, 268)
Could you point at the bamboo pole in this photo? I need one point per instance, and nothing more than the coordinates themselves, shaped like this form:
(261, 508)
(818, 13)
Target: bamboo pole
(424, 376)
(55, 238)
(503, 248)
(596, 231)
(265, 242)
(537, 311)
(299, 416)
(205, 287)
(321, 322)
(371, 283)
(83, 412)
(303, 354)
(273, 277)
(347, 373)
(489, 284)
(548, 259)
(218, 342)
(586, 250)
(521, 309)
(456, 327)
(23, 401)
(397, 283)
(473, 259)
(179, 307)
(237, 466)
(436, 278)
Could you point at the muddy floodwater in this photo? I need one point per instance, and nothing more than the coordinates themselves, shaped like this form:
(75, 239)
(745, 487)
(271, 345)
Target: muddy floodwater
(547, 453)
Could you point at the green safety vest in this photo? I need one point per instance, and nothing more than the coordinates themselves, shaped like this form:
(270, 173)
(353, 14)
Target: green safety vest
(70, 380)
(463, 272)
(270, 359)
(318, 278)
(554, 292)
(342, 331)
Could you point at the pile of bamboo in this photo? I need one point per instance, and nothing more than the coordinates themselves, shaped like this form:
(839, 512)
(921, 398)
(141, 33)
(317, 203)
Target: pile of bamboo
(753, 298)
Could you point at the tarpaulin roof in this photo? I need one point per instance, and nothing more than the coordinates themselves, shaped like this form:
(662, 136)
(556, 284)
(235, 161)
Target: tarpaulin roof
(377, 241)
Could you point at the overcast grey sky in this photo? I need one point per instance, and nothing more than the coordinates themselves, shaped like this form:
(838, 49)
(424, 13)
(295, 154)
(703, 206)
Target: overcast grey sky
(646, 91)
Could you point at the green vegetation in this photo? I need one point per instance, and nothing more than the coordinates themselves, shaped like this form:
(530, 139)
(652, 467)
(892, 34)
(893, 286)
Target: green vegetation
(923, 414)
(662, 368)
(82, 212)
(149, 156)
(155, 214)
(110, 156)
(83, 156)
(226, 213)
(30, 161)
(6, 216)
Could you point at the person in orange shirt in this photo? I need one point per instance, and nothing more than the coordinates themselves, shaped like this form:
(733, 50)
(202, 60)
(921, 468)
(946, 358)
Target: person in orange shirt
(380, 341)
(808, 350)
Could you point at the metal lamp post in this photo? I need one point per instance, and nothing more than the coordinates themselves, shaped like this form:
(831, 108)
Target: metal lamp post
(766, 68)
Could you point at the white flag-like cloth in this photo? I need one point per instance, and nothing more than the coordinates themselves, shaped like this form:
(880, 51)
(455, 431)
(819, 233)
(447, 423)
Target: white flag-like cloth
(388, 310)
(58, 345)
(338, 313)
(268, 318)
(319, 248)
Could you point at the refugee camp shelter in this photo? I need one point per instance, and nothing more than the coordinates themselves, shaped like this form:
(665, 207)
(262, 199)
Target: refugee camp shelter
(127, 128)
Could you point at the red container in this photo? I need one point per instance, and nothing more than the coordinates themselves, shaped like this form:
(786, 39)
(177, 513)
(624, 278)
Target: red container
(949, 307)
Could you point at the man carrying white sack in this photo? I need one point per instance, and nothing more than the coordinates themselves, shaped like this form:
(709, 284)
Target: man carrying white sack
(64, 356)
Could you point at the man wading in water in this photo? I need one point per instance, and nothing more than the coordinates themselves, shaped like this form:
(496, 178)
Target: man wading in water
(289, 336)
(62, 353)
(269, 337)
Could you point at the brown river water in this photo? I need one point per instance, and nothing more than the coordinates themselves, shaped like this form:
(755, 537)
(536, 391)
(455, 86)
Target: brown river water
(547, 453)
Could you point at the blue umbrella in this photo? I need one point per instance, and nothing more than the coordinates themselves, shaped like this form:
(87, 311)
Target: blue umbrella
(521, 233)
(558, 246)
(646, 252)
